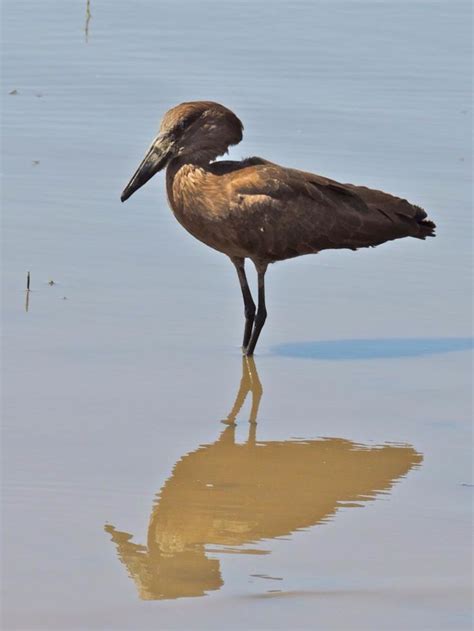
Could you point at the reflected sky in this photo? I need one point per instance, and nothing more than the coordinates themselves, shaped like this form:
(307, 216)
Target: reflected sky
(373, 348)
(227, 497)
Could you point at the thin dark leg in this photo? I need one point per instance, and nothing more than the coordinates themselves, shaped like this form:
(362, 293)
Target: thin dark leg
(261, 312)
(249, 304)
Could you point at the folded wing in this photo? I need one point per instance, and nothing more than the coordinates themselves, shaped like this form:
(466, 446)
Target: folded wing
(289, 212)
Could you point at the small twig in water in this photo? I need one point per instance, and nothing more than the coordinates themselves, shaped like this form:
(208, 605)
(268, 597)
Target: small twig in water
(88, 19)
(27, 300)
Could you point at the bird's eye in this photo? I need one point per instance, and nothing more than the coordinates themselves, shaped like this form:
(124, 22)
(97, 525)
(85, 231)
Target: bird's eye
(187, 121)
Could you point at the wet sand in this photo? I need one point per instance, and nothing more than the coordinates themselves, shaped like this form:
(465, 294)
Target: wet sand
(127, 503)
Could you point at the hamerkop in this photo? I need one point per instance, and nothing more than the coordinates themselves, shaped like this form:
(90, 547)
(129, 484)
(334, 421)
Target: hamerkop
(259, 210)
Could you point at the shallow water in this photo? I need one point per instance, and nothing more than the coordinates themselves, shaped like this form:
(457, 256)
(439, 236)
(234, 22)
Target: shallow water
(126, 503)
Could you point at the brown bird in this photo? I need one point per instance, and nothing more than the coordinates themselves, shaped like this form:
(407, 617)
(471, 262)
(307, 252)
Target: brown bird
(259, 210)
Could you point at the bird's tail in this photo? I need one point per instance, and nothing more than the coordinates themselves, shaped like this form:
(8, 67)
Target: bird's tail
(426, 227)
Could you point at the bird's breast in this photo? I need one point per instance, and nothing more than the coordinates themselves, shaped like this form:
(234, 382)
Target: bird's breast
(237, 216)
(202, 203)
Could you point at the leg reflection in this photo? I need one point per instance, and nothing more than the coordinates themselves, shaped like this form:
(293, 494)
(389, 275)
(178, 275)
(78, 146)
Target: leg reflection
(250, 382)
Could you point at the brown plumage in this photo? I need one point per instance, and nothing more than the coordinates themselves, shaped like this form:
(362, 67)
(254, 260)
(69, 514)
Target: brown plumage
(259, 210)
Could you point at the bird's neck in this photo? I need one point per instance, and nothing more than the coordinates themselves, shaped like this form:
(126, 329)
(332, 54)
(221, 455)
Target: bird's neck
(199, 158)
(183, 176)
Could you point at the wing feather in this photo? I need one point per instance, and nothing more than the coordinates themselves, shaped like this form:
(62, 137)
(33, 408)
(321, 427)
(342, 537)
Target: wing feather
(290, 212)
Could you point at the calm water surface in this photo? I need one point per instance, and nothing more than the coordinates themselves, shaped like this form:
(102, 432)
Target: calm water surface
(127, 504)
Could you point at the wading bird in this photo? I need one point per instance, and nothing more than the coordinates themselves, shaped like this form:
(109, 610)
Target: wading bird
(259, 210)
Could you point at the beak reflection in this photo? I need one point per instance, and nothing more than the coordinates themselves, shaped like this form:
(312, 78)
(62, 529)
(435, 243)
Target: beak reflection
(228, 497)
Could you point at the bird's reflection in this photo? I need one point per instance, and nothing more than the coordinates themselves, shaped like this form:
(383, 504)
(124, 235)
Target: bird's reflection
(233, 495)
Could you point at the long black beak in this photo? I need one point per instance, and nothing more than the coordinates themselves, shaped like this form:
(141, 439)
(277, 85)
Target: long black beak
(155, 159)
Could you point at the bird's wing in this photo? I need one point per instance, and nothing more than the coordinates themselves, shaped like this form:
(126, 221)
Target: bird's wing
(301, 212)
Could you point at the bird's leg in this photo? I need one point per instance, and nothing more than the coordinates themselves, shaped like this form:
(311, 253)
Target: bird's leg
(249, 304)
(261, 311)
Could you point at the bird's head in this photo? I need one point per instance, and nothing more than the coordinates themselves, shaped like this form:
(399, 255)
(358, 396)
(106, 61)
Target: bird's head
(197, 132)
